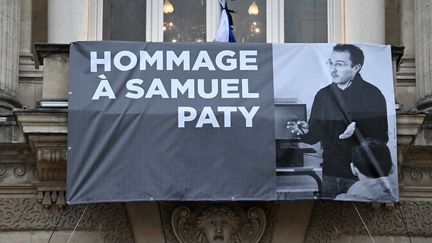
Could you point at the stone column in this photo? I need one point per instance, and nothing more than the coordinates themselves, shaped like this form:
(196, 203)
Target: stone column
(423, 23)
(407, 27)
(364, 21)
(30, 79)
(26, 62)
(406, 75)
(67, 20)
(9, 52)
(26, 27)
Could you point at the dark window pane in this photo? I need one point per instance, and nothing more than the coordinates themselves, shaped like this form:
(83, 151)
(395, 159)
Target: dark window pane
(124, 20)
(187, 22)
(305, 21)
(249, 20)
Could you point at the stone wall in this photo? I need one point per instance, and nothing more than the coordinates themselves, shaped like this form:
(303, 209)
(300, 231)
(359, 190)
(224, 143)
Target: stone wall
(22, 219)
(336, 221)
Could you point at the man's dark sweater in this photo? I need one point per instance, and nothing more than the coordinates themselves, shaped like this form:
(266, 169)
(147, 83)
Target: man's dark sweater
(333, 110)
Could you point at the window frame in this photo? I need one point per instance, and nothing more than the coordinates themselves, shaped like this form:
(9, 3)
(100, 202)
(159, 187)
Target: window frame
(274, 20)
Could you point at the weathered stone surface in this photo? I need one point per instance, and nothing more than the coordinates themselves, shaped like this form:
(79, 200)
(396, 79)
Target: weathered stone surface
(17, 169)
(145, 222)
(10, 132)
(29, 91)
(380, 239)
(108, 220)
(358, 28)
(331, 220)
(291, 221)
(55, 78)
(44, 236)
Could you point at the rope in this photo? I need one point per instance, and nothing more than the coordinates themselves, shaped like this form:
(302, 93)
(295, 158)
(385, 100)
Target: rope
(55, 227)
(76, 226)
(364, 224)
(403, 220)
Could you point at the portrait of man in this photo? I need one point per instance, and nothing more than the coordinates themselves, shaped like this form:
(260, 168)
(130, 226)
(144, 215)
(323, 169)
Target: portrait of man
(343, 114)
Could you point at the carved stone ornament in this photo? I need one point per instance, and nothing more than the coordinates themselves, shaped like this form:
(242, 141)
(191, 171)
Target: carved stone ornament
(50, 156)
(25, 214)
(333, 219)
(218, 224)
(17, 169)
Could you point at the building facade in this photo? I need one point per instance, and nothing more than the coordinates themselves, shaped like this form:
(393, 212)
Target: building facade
(34, 76)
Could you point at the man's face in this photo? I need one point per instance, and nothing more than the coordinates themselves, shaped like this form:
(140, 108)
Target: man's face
(341, 68)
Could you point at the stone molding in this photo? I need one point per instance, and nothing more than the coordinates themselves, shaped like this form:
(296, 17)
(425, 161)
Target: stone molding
(50, 168)
(8, 92)
(408, 126)
(18, 214)
(42, 120)
(415, 183)
(332, 219)
(50, 156)
(414, 158)
(17, 169)
(185, 222)
(425, 103)
(15, 153)
(7, 104)
(46, 132)
(27, 70)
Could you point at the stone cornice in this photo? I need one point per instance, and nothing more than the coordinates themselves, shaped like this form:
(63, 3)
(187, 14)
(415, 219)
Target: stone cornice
(408, 126)
(42, 120)
(44, 50)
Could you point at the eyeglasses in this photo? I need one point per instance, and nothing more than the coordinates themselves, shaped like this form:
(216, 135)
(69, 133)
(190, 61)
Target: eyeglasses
(336, 65)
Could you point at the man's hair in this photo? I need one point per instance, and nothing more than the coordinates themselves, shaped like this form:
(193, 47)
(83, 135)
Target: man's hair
(356, 54)
(372, 158)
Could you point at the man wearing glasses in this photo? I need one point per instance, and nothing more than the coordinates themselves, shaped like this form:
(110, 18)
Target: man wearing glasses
(343, 114)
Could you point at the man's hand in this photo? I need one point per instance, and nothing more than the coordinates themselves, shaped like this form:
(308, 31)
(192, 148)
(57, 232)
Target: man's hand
(298, 127)
(349, 131)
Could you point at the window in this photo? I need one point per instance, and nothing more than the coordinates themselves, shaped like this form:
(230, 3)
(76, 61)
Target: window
(197, 20)
(305, 21)
(249, 20)
(124, 20)
(184, 21)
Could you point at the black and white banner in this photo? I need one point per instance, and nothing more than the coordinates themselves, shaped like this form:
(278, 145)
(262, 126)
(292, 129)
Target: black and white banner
(217, 121)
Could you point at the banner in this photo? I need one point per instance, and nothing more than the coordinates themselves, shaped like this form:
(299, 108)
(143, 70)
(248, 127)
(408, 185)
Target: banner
(217, 121)
(156, 121)
(347, 144)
